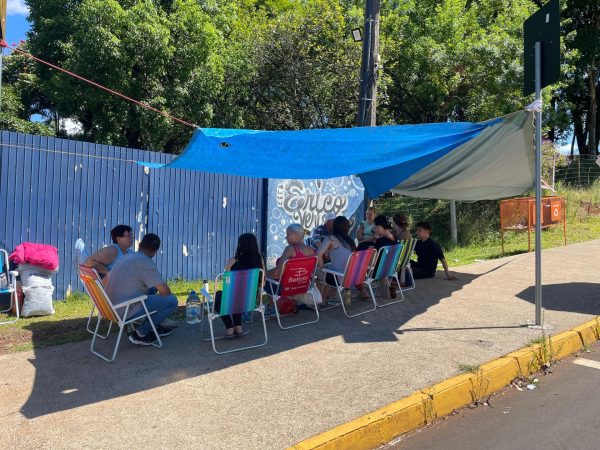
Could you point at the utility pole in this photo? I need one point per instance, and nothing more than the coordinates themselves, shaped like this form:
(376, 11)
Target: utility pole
(367, 103)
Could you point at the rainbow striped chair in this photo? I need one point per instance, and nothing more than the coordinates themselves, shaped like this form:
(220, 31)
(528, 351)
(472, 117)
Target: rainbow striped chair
(242, 292)
(297, 276)
(404, 263)
(356, 272)
(8, 285)
(385, 269)
(113, 313)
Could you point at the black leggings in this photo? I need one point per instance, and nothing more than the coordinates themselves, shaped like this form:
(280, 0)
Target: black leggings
(231, 321)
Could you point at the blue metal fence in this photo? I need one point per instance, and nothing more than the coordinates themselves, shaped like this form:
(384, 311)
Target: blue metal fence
(54, 191)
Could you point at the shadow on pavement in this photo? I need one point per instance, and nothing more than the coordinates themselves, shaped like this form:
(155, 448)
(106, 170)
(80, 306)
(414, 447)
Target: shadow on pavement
(69, 376)
(572, 297)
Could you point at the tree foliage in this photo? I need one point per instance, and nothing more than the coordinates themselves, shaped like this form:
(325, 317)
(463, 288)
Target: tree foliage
(290, 64)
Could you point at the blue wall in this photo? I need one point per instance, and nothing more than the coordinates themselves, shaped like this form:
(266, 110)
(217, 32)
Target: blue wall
(54, 191)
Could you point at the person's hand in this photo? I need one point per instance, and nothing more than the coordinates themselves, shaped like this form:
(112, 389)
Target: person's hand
(451, 277)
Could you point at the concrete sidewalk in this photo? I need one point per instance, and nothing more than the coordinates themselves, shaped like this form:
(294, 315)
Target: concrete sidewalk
(305, 381)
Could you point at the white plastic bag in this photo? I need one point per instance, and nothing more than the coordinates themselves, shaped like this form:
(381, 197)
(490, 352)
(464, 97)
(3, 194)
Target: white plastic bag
(307, 299)
(38, 301)
(33, 276)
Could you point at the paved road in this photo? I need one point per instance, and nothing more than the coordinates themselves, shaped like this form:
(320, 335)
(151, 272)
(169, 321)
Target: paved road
(562, 413)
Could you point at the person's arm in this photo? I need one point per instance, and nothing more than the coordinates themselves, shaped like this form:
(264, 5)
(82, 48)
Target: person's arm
(360, 233)
(445, 266)
(163, 289)
(323, 249)
(229, 264)
(101, 259)
(275, 272)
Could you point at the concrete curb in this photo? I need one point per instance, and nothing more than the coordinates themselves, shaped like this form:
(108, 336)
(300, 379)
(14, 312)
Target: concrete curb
(422, 407)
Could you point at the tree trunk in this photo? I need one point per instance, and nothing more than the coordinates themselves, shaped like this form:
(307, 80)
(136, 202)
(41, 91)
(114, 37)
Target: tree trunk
(592, 113)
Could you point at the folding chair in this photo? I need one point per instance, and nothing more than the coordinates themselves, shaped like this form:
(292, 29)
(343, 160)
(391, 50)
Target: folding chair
(8, 285)
(242, 292)
(106, 310)
(385, 268)
(80, 254)
(355, 273)
(296, 278)
(404, 263)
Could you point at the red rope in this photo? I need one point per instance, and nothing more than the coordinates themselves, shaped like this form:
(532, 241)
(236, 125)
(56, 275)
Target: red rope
(93, 83)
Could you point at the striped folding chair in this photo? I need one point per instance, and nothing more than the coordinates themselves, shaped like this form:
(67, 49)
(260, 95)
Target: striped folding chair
(385, 269)
(404, 264)
(296, 278)
(242, 292)
(8, 285)
(357, 268)
(113, 313)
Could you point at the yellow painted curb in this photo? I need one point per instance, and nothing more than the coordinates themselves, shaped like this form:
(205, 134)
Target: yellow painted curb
(381, 426)
(565, 344)
(452, 394)
(527, 359)
(376, 428)
(589, 332)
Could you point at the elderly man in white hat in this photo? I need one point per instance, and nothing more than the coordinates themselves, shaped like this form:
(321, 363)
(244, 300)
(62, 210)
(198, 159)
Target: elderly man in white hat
(322, 231)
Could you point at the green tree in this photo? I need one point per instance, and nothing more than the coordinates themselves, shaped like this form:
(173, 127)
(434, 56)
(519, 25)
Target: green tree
(164, 53)
(453, 60)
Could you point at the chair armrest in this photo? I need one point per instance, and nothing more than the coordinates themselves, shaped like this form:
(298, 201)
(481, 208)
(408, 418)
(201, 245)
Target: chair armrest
(333, 272)
(139, 299)
(272, 281)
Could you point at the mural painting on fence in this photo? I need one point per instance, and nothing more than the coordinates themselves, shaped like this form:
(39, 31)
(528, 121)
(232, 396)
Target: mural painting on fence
(306, 202)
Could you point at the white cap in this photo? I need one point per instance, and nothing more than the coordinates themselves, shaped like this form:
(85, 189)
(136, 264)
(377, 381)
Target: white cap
(329, 216)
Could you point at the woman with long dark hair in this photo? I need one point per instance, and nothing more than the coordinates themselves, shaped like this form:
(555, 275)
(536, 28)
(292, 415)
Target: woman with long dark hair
(339, 245)
(247, 256)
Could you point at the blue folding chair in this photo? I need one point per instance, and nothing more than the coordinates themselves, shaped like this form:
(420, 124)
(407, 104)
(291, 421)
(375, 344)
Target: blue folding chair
(8, 285)
(385, 269)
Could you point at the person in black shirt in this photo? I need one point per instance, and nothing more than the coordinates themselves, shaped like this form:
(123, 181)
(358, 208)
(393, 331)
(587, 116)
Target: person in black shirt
(428, 253)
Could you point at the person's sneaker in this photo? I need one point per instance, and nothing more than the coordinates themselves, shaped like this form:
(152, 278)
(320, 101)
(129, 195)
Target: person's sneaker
(168, 324)
(270, 312)
(136, 339)
(247, 317)
(162, 331)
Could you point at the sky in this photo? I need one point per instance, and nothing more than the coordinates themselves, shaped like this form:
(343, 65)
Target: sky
(16, 21)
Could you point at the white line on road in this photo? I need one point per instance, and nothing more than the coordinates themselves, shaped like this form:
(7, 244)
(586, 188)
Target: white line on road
(587, 363)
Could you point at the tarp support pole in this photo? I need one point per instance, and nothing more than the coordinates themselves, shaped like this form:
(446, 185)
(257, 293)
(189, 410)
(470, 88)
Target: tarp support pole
(453, 229)
(538, 188)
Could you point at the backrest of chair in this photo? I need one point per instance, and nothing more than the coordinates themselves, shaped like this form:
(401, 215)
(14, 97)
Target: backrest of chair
(241, 290)
(387, 261)
(407, 251)
(93, 286)
(357, 267)
(297, 275)
(4, 275)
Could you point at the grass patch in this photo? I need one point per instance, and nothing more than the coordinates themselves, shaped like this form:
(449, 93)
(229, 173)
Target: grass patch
(468, 368)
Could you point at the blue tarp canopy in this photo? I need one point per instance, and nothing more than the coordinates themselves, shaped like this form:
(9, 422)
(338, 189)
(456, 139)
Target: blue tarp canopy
(453, 160)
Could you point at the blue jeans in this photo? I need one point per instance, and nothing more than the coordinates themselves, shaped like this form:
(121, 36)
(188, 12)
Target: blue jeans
(164, 305)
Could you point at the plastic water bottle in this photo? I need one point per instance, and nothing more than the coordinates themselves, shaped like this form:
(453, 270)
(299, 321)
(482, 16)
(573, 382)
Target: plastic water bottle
(192, 308)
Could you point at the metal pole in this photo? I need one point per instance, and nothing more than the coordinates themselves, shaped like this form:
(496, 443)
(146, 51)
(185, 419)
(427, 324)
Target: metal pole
(453, 230)
(538, 188)
(369, 65)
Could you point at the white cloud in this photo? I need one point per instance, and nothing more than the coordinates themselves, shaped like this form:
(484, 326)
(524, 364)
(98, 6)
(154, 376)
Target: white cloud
(72, 127)
(17, 7)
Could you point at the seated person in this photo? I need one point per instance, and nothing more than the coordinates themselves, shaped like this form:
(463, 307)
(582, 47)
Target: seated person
(428, 253)
(247, 256)
(339, 245)
(365, 232)
(294, 234)
(383, 232)
(322, 231)
(132, 276)
(105, 258)
(400, 227)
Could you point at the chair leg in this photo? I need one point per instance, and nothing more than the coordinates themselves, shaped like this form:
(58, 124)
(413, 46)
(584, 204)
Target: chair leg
(395, 276)
(349, 316)
(298, 324)
(116, 348)
(13, 301)
(101, 336)
(260, 309)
